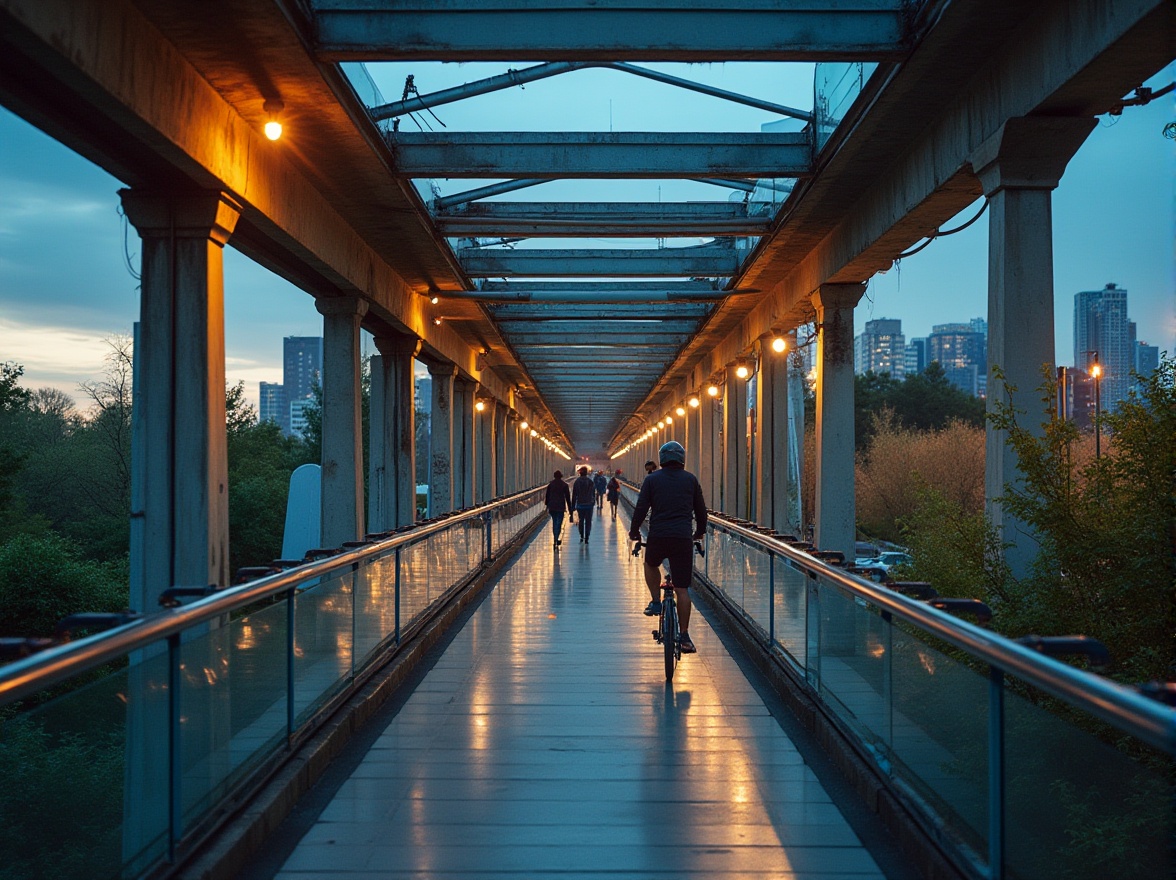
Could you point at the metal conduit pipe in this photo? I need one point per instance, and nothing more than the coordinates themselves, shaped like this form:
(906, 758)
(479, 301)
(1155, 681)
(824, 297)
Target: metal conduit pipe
(747, 185)
(494, 189)
(593, 296)
(480, 87)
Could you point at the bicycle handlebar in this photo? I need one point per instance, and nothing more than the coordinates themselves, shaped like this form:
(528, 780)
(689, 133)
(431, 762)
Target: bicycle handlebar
(697, 548)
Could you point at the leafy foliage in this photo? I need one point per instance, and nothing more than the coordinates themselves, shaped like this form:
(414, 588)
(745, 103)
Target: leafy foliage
(927, 401)
(260, 463)
(898, 463)
(43, 579)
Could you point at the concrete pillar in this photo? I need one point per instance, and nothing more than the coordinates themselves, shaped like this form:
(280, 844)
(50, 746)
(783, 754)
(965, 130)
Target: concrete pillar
(179, 474)
(510, 448)
(1019, 167)
(464, 443)
(485, 450)
(835, 510)
(735, 445)
(342, 421)
(501, 423)
(179, 480)
(791, 515)
(710, 459)
(772, 440)
(441, 431)
(392, 482)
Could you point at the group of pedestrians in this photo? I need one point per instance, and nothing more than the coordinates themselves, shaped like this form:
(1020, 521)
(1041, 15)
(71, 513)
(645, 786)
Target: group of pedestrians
(585, 496)
(672, 499)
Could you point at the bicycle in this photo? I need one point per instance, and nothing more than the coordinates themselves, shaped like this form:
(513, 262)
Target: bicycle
(668, 634)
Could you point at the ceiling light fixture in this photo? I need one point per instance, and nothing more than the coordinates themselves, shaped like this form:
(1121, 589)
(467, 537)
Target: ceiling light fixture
(273, 127)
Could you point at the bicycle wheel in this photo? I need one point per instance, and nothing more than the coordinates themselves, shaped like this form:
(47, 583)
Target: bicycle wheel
(670, 636)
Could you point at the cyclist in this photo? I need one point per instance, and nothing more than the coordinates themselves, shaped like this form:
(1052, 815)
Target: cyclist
(600, 483)
(558, 499)
(584, 499)
(672, 497)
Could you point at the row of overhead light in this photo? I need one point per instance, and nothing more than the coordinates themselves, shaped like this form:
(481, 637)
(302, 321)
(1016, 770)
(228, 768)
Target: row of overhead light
(743, 369)
(524, 426)
(273, 130)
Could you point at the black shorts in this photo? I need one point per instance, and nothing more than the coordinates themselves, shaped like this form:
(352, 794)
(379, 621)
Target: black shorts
(679, 552)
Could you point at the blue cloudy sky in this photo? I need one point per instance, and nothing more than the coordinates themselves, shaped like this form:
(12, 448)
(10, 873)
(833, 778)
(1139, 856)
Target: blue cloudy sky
(65, 284)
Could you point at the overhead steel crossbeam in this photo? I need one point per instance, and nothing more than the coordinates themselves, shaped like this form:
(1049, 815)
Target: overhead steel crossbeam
(513, 78)
(466, 30)
(541, 311)
(607, 154)
(602, 219)
(442, 203)
(707, 261)
(571, 296)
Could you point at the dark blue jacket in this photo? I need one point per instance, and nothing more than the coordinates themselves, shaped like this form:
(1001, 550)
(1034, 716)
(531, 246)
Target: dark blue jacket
(559, 497)
(672, 497)
(583, 492)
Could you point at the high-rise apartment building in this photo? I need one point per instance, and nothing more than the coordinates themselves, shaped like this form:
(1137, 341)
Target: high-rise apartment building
(915, 356)
(962, 351)
(1147, 359)
(1103, 332)
(880, 348)
(273, 403)
(302, 369)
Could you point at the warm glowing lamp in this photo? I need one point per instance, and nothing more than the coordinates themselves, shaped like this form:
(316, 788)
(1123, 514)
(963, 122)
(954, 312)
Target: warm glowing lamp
(524, 426)
(434, 299)
(694, 402)
(778, 344)
(712, 390)
(480, 405)
(741, 370)
(273, 128)
(680, 411)
(534, 433)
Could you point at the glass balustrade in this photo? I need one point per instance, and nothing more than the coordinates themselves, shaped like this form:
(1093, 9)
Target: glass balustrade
(1018, 758)
(231, 681)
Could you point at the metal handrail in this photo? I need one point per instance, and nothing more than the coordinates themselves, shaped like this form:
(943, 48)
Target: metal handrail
(1135, 714)
(39, 671)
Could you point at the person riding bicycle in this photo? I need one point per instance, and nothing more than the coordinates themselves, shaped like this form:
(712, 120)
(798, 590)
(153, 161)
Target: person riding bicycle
(672, 497)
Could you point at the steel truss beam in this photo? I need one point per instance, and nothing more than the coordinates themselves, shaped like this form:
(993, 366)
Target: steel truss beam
(509, 30)
(608, 154)
(595, 311)
(543, 263)
(513, 78)
(601, 219)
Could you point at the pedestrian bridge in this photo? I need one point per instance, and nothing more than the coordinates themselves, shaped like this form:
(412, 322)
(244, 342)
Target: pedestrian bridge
(462, 699)
(875, 733)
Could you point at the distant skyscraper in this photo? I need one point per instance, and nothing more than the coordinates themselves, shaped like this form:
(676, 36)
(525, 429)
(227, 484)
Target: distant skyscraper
(1147, 359)
(273, 404)
(962, 352)
(915, 356)
(302, 369)
(297, 415)
(1101, 327)
(880, 348)
(302, 365)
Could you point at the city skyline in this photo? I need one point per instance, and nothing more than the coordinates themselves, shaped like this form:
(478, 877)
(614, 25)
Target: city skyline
(1112, 223)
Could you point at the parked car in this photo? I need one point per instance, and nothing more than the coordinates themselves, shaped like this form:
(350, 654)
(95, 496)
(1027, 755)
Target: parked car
(889, 558)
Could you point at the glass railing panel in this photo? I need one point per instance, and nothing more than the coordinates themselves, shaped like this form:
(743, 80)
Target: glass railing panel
(323, 641)
(63, 767)
(854, 663)
(258, 664)
(939, 733)
(375, 606)
(757, 588)
(1083, 801)
(790, 621)
(836, 86)
(414, 584)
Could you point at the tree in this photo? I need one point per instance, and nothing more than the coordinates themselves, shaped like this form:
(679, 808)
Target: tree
(260, 463)
(14, 401)
(926, 401)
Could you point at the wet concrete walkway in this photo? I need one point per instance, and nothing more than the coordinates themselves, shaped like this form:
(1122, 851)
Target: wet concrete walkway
(545, 742)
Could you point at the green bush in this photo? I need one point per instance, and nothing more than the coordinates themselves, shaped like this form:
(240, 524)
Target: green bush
(43, 579)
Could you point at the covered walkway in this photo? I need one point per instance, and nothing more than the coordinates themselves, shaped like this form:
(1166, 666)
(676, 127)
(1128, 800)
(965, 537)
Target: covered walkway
(544, 741)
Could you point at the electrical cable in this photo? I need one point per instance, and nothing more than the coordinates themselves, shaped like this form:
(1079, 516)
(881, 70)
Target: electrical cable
(940, 233)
